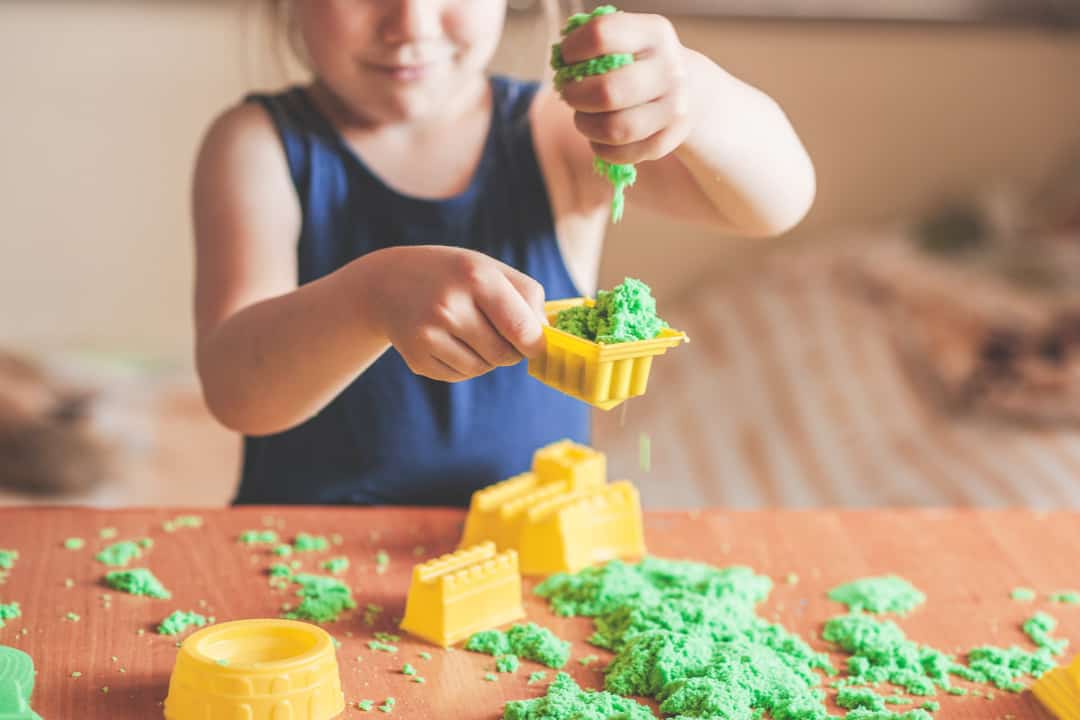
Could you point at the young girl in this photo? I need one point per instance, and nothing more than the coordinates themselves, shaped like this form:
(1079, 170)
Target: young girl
(374, 248)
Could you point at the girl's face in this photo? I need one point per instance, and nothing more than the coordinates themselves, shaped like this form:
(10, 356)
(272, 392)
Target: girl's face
(399, 60)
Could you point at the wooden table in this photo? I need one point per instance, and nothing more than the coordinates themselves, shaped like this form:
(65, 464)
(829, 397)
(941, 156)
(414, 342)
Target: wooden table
(967, 562)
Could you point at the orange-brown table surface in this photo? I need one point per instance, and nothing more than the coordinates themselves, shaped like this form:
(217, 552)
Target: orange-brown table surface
(966, 562)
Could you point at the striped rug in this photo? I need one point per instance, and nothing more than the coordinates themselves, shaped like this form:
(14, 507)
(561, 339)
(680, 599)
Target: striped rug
(791, 395)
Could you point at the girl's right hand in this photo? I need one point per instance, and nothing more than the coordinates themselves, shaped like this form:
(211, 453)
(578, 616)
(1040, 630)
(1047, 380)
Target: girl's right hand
(452, 313)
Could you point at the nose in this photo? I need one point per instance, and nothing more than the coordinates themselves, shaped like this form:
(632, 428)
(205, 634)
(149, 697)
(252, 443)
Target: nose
(408, 21)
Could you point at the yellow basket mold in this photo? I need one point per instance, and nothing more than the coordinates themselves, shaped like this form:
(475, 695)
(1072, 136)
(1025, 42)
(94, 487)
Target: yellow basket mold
(256, 670)
(601, 375)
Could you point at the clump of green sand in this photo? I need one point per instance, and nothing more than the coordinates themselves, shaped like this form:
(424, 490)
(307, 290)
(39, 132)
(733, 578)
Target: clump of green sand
(625, 313)
(138, 581)
(323, 599)
(530, 641)
(887, 594)
(566, 700)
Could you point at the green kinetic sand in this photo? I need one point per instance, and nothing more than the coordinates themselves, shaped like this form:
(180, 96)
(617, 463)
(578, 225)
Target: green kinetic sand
(180, 621)
(888, 594)
(530, 641)
(323, 599)
(489, 642)
(686, 634)
(10, 611)
(74, 543)
(1038, 627)
(16, 684)
(852, 698)
(258, 537)
(565, 700)
(507, 663)
(1022, 594)
(182, 521)
(620, 176)
(336, 565)
(880, 652)
(408, 669)
(1066, 597)
(310, 543)
(280, 570)
(139, 581)
(625, 313)
(120, 554)
(8, 558)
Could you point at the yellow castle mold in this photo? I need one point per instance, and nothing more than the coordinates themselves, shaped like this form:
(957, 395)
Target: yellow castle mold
(456, 595)
(560, 517)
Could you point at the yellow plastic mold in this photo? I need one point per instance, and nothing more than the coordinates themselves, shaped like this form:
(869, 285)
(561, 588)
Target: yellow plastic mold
(1059, 691)
(601, 375)
(556, 468)
(456, 595)
(567, 461)
(580, 528)
(562, 516)
(256, 670)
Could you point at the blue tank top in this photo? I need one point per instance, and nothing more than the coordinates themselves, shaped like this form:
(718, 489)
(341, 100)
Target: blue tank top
(393, 437)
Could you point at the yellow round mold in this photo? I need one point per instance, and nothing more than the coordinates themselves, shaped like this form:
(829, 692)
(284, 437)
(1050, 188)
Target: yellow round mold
(256, 670)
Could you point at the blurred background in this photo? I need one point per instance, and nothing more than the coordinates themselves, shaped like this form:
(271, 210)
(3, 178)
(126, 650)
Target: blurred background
(916, 341)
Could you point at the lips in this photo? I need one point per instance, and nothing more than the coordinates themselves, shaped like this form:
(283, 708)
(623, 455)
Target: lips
(405, 72)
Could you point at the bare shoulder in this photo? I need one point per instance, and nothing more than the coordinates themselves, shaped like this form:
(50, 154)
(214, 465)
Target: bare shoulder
(246, 213)
(241, 140)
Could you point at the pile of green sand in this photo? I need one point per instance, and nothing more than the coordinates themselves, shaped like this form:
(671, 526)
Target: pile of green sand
(530, 641)
(323, 599)
(179, 621)
(887, 594)
(139, 581)
(625, 313)
(688, 635)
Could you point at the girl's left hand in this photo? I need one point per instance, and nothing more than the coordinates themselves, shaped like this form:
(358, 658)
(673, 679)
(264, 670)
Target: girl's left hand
(640, 111)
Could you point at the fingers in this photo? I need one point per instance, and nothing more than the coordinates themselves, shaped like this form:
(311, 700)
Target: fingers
(513, 303)
(448, 358)
(485, 340)
(630, 126)
(617, 33)
(528, 288)
(627, 87)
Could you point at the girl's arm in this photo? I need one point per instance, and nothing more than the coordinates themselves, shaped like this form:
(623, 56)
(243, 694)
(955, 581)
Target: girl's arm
(271, 354)
(711, 148)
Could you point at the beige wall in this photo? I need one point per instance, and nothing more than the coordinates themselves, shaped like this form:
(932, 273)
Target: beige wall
(103, 104)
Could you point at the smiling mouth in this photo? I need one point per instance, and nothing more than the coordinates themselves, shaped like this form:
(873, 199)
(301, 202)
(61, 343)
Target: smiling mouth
(404, 73)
